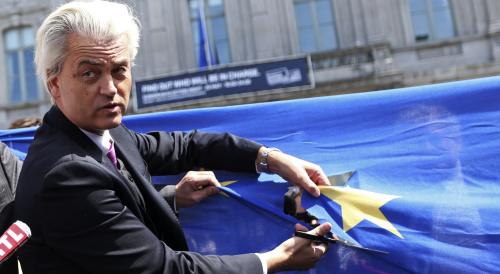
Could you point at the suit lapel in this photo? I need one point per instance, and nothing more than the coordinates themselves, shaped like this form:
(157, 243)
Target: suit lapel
(164, 218)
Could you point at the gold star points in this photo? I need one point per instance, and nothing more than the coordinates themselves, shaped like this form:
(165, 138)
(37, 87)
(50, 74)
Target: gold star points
(358, 205)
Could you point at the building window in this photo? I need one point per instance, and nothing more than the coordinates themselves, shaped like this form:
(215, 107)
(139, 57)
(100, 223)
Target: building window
(21, 76)
(213, 19)
(315, 25)
(432, 19)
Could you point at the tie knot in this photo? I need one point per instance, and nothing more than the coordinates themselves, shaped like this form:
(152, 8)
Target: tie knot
(112, 154)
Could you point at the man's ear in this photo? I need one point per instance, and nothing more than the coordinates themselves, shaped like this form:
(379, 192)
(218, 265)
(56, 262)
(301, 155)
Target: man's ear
(53, 86)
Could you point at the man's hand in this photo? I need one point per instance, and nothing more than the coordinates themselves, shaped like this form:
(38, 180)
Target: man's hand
(298, 172)
(297, 253)
(194, 187)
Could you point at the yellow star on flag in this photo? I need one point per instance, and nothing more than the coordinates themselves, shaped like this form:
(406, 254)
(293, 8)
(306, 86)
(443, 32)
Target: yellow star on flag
(226, 183)
(358, 205)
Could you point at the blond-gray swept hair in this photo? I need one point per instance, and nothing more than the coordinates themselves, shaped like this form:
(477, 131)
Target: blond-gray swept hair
(97, 20)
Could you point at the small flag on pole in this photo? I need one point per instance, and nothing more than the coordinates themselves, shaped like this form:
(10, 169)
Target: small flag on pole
(205, 56)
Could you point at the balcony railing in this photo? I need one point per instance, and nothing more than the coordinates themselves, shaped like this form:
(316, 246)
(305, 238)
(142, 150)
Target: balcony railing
(344, 57)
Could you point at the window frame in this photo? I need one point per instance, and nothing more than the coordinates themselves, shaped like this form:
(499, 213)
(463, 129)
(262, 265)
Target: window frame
(22, 73)
(432, 26)
(317, 26)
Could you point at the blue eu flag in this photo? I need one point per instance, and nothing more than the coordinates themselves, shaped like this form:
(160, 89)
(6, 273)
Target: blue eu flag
(425, 187)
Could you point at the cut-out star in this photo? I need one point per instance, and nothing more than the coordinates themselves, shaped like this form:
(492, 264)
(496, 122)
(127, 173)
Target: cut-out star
(358, 205)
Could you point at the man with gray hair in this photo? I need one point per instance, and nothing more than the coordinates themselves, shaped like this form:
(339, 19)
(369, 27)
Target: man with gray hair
(85, 188)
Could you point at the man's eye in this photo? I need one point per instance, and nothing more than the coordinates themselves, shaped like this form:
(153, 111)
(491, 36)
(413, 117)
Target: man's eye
(88, 74)
(121, 70)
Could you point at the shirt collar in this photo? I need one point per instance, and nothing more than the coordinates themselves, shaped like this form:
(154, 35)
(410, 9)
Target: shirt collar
(102, 141)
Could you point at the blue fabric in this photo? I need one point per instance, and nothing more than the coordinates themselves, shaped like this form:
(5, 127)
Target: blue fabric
(433, 148)
(18, 140)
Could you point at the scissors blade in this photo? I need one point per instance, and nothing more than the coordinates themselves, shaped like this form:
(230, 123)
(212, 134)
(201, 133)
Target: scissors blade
(336, 240)
(353, 245)
(341, 179)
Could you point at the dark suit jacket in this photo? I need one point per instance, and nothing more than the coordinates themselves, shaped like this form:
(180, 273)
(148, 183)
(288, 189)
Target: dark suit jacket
(83, 213)
(10, 167)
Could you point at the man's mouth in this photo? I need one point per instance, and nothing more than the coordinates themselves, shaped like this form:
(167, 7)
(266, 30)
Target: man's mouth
(113, 106)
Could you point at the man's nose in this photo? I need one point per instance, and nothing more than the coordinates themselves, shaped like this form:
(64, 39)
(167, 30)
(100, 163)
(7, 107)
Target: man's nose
(108, 86)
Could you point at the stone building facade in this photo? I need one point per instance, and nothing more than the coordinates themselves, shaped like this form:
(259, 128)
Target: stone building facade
(355, 45)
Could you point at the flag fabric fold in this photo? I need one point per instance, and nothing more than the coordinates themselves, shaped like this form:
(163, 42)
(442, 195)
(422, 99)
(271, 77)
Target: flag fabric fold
(425, 189)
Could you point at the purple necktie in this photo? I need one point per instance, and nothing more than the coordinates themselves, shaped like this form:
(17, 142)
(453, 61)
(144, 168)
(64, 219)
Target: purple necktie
(111, 153)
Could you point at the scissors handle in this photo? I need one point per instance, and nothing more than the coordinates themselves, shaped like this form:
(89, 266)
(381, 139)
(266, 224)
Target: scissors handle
(305, 235)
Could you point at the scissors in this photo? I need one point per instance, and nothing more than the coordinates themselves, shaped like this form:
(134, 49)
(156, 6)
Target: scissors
(293, 206)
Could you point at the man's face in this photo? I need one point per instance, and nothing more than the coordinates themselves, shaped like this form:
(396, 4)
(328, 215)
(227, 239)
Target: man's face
(93, 87)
